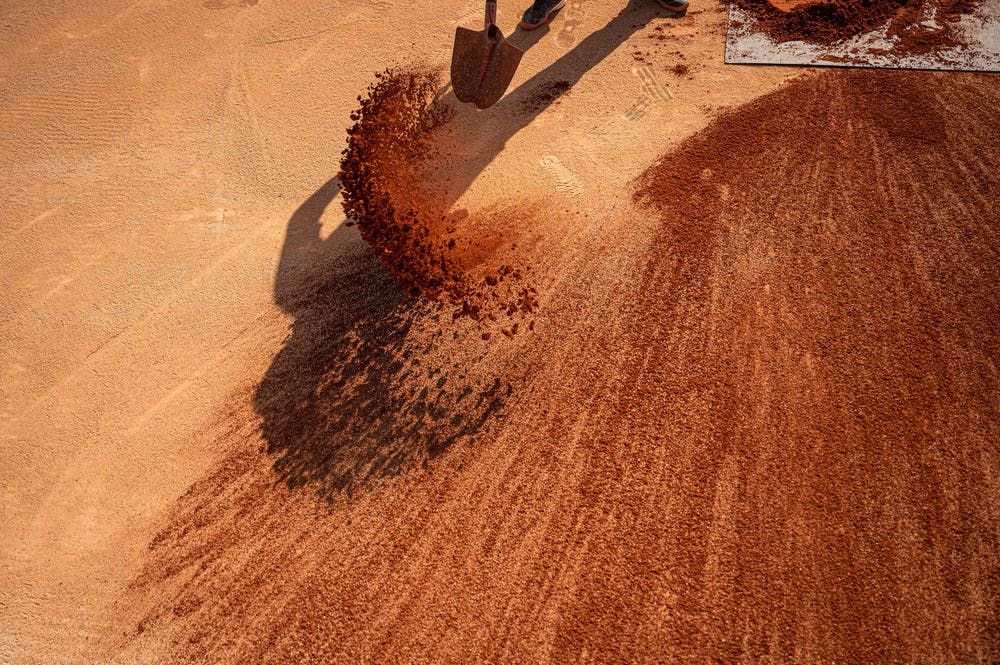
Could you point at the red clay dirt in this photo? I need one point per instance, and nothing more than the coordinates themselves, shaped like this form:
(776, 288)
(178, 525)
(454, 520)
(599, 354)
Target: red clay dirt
(230, 436)
(788, 5)
(391, 191)
(376, 173)
(831, 21)
(545, 95)
(767, 431)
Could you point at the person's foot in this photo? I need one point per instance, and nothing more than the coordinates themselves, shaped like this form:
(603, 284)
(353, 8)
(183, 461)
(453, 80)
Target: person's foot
(677, 7)
(541, 13)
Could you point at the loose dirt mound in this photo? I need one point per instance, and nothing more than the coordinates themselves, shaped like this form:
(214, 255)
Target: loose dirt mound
(778, 442)
(403, 214)
(805, 421)
(832, 21)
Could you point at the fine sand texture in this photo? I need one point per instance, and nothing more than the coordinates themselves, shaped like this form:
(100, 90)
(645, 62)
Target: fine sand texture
(750, 413)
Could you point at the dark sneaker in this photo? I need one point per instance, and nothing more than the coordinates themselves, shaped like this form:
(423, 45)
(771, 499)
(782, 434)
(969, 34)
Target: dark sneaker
(540, 13)
(678, 7)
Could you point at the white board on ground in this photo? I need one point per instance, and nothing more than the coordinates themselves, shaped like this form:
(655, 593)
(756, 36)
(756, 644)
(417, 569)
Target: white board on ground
(746, 43)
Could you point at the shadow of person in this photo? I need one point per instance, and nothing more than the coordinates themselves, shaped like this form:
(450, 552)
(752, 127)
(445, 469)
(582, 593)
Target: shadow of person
(490, 129)
(353, 396)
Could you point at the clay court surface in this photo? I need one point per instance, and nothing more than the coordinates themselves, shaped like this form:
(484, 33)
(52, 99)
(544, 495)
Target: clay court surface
(755, 414)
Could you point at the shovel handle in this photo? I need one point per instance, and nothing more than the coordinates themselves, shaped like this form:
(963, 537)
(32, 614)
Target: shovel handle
(491, 13)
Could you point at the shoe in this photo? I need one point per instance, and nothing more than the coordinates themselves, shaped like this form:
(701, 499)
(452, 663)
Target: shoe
(677, 7)
(541, 13)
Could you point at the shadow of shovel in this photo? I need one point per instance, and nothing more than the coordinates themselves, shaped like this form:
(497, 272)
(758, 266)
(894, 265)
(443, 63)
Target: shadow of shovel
(483, 62)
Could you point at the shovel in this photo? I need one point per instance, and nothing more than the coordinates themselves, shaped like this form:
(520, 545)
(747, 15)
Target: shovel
(483, 62)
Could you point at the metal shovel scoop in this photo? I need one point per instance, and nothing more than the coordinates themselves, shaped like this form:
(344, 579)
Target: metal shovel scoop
(483, 63)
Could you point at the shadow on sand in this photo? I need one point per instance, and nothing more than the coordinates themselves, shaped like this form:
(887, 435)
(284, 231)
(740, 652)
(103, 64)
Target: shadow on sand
(351, 397)
(490, 129)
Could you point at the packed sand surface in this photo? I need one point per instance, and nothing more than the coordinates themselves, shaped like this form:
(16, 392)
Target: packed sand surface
(750, 413)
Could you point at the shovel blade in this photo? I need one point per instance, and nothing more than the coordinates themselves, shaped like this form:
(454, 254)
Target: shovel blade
(482, 65)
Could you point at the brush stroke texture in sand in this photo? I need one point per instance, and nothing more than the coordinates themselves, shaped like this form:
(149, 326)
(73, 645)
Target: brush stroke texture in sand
(756, 415)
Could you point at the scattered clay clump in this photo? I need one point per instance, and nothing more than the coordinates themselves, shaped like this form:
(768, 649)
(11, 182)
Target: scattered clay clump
(659, 34)
(405, 220)
(545, 95)
(680, 69)
(831, 21)
(390, 133)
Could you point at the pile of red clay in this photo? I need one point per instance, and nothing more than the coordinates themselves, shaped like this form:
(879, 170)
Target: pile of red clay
(774, 440)
(406, 220)
(830, 21)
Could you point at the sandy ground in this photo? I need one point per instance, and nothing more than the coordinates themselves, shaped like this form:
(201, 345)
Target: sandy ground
(756, 418)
